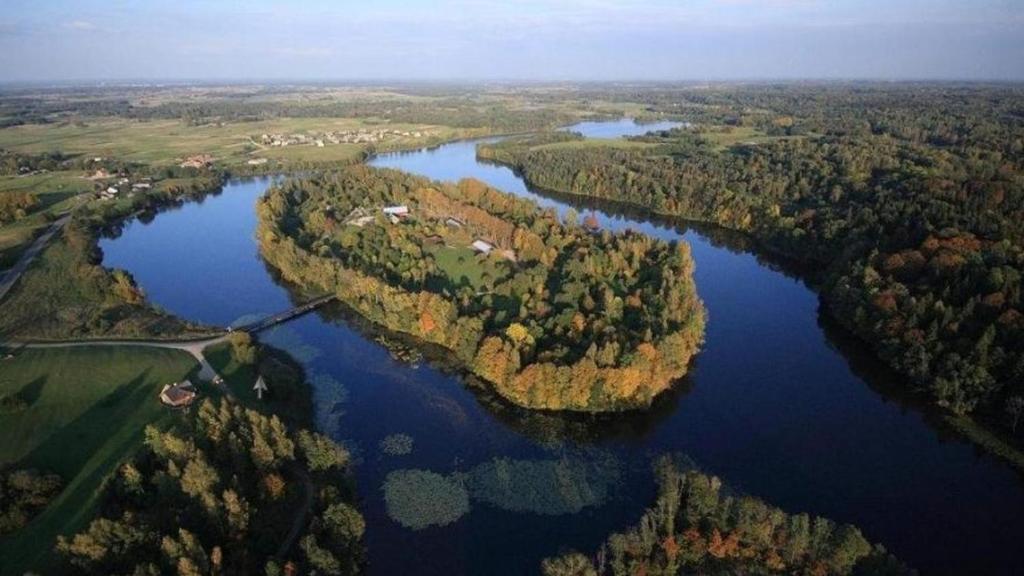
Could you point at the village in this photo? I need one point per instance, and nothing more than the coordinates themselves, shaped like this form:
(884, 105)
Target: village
(361, 216)
(109, 189)
(338, 137)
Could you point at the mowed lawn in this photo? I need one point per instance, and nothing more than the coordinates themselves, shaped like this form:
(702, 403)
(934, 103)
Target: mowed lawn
(82, 412)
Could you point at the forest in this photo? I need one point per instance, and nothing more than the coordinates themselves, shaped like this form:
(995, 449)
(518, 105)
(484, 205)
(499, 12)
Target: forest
(553, 315)
(697, 526)
(219, 495)
(910, 202)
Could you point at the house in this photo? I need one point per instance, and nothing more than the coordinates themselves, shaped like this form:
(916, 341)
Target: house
(178, 395)
(197, 161)
(141, 186)
(454, 222)
(112, 190)
(396, 210)
(256, 161)
(482, 247)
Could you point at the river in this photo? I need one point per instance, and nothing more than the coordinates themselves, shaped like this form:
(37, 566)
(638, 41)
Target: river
(779, 404)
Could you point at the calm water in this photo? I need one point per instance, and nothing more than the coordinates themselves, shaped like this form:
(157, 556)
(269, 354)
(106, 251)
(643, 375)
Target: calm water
(778, 403)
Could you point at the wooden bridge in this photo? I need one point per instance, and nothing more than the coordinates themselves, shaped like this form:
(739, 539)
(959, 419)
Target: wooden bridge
(271, 321)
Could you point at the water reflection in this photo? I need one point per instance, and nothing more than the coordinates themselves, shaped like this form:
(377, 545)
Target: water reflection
(776, 403)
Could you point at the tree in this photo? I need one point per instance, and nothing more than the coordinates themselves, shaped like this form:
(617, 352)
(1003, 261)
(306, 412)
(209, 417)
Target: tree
(242, 349)
(1015, 407)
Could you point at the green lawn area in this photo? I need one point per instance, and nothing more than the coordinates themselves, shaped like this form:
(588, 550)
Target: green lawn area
(85, 410)
(460, 263)
(50, 188)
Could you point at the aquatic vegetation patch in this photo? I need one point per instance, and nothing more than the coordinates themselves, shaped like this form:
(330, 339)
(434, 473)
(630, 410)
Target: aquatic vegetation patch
(329, 397)
(396, 444)
(418, 499)
(288, 339)
(550, 487)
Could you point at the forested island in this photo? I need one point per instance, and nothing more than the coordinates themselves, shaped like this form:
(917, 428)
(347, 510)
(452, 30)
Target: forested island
(913, 208)
(697, 525)
(552, 315)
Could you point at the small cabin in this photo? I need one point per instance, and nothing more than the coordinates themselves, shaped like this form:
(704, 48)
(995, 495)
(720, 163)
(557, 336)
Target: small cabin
(482, 246)
(178, 395)
(399, 211)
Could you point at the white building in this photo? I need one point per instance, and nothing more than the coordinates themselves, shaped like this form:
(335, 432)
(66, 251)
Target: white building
(482, 247)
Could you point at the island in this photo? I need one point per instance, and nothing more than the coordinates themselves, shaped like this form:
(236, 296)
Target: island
(550, 313)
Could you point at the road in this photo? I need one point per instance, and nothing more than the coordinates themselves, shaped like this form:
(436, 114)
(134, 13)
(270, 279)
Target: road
(11, 276)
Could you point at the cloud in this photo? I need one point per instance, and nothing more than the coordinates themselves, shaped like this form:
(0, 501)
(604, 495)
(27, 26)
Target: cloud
(80, 25)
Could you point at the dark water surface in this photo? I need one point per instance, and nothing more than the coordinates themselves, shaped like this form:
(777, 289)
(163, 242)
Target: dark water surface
(779, 404)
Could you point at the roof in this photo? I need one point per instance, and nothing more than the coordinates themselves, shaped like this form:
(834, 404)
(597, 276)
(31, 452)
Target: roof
(396, 210)
(482, 246)
(178, 394)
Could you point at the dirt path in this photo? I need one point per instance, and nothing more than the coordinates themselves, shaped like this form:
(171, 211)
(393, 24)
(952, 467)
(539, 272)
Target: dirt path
(302, 515)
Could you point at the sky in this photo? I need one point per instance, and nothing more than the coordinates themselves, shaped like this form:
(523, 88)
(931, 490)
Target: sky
(535, 40)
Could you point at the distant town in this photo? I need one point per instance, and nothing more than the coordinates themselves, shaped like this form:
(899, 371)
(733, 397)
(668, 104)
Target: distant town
(338, 137)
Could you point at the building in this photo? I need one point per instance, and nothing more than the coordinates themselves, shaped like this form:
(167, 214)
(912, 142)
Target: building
(256, 161)
(178, 395)
(197, 161)
(482, 247)
(396, 210)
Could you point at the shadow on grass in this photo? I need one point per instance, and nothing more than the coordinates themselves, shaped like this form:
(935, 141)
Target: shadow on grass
(84, 453)
(24, 398)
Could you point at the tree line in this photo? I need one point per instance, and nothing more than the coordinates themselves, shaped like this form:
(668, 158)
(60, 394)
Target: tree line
(911, 201)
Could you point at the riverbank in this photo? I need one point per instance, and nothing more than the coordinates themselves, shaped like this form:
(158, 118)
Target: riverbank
(985, 427)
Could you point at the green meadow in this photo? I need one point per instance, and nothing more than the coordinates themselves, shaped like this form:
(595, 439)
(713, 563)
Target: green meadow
(78, 412)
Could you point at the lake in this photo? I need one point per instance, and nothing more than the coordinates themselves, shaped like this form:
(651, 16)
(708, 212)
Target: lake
(779, 403)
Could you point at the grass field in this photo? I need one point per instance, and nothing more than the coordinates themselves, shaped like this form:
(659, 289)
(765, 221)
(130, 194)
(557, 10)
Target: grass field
(54, 192)
(461, 264)
(84, 413)
(595, 143)
(163, 142)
